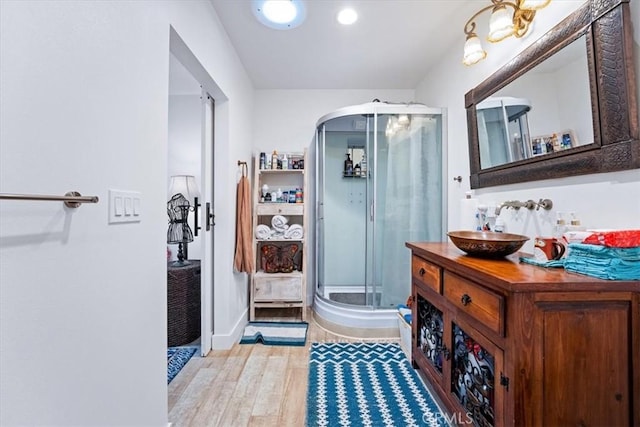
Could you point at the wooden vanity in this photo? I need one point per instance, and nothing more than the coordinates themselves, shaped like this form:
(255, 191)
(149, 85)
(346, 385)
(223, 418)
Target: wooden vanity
(510, 344)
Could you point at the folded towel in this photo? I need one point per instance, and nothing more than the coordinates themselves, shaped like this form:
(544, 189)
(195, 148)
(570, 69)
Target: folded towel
(604, 262)
(604, 252)
(279, 223)
(277, 235)
(615, 239)
(534, 261)
(295, 231)
(263, 232)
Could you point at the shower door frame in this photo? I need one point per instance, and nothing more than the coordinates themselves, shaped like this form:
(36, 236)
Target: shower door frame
(372, 112)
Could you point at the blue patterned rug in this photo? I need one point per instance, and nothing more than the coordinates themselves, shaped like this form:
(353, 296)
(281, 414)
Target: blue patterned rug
(177, 357)
(366, 384)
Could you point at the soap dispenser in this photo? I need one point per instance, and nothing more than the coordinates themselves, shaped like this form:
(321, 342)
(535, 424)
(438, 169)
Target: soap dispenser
(575, 223)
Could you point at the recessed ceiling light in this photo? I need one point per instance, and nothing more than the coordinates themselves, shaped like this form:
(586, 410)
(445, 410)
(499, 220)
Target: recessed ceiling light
(347, 16)
(279, 14)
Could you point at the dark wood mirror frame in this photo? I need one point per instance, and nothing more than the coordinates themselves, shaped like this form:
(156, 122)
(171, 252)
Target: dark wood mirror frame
(609, 39)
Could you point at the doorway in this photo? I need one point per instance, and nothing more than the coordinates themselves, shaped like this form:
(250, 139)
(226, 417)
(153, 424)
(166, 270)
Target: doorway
(191, 153)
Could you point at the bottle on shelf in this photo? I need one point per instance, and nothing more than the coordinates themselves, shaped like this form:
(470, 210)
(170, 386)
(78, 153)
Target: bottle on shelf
(285, 162)
(363, 165)
(560, 229)
(274, 160)
(348, 166)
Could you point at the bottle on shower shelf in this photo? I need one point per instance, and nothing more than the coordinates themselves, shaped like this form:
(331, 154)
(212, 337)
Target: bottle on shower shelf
(363, 165)
(348, 166)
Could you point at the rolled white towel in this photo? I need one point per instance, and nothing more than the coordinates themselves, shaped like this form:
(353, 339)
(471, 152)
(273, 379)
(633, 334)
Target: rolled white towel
(279, 223)
(263, 232)
(295, 231)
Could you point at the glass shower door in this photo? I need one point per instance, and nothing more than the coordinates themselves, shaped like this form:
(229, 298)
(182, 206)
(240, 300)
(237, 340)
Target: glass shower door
(342, 211)
(408, 198)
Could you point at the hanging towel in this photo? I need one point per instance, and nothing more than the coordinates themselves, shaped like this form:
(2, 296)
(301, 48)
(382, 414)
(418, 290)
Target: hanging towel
(243, 260)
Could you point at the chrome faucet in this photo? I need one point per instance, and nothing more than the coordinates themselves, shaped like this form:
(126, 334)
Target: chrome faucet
(515, 204)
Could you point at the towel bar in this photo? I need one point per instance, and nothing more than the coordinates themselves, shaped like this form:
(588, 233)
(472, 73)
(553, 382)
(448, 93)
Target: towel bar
(71, 199)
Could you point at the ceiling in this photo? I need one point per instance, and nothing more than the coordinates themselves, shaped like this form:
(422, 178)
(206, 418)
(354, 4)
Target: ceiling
(393, 44)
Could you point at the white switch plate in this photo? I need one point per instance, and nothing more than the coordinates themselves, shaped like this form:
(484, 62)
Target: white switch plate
(124, 206)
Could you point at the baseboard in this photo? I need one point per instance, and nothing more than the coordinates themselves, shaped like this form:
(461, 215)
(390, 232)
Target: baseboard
(226, 341)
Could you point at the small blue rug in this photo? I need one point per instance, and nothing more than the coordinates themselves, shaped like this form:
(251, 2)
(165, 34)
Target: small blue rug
(177, 357)
(275, 333)
(366, 384)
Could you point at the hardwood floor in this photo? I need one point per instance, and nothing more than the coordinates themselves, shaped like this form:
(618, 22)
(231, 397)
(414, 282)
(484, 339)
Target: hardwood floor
(248, 385)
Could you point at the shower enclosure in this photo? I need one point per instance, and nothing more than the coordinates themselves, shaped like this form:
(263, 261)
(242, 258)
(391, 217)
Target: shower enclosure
(503, 130)
(379, 183)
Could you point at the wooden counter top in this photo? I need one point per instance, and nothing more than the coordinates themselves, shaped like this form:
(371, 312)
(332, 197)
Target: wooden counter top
(509, 274)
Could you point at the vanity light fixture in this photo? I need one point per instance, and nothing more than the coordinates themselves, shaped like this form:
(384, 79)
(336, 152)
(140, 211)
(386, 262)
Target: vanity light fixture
(279, 14)
(503, 23)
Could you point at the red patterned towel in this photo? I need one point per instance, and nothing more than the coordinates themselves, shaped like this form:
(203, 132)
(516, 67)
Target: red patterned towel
(615, 239)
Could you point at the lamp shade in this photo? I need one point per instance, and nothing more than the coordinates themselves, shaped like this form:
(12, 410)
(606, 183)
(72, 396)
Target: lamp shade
(185, 185)
(473, 51)
(500, 24)
(533, 4)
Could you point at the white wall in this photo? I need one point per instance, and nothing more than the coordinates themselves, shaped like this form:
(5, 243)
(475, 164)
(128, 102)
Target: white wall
(84, 106)
(600, 200)
(286, 119)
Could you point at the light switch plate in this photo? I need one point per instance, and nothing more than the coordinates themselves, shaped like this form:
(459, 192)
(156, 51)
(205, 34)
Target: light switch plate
(124, 206)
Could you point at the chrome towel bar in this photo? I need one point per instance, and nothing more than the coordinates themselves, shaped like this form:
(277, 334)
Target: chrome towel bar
(71, 199)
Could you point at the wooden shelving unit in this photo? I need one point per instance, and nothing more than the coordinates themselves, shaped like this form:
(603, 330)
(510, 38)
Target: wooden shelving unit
(271, 288)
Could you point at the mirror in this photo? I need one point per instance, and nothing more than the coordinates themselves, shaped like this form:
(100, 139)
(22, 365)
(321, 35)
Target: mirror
(546, 110)
(551, 111)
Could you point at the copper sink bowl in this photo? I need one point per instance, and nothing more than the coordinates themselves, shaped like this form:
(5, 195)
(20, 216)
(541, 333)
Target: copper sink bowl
(487, 244)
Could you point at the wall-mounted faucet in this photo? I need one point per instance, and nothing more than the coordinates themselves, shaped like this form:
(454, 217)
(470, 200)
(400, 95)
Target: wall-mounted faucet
(516, 204)
(545, 204)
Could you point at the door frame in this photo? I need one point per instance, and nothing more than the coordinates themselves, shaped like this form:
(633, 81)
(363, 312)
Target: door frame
(207, 242)
(210, 90)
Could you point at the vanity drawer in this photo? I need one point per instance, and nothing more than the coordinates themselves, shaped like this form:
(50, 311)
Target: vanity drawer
(283, 287)
(480, 303)
(427, 273)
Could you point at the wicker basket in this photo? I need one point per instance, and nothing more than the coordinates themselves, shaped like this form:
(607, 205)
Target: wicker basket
(183, 303)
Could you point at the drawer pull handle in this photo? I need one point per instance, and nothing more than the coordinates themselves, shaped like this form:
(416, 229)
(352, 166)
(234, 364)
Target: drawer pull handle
(422, 271)
(465, 299)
